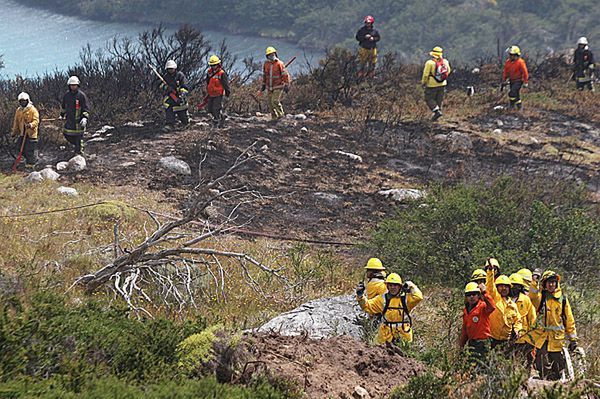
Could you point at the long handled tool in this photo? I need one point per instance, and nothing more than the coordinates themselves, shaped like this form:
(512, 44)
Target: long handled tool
(14, 167)
(172, 93)
(259, 94)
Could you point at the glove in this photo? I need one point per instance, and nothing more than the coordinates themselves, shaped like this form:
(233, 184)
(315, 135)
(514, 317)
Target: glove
(263, 87)
(360, 289)
(526, 85)
(286, 89)
(572, 346)
(62, 115)
(83, 122)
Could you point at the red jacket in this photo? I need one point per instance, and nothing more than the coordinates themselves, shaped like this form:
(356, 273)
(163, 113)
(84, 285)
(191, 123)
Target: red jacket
(515, 70)
(275, 75)
(476, 323)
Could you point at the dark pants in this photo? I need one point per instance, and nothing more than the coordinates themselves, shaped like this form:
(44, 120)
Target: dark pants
(478, 350)
(514, 94)
(76, 140)
(583, 85)
(214, 107)
(524, 352)
(30, 149)
(181, 115)
(549, 364)
(434, 97)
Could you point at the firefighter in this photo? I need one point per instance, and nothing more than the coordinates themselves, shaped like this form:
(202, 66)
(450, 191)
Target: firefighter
(516, 76)
(394, 307)
(176, 92)
(375, 278)
(276, 80)
(25, 127)
(434, 81)
(475, 333)
(505, 322)
(583, 65)
(524, 344)
(554, 324)
(367, 37)
(75, 108)
(217, 85)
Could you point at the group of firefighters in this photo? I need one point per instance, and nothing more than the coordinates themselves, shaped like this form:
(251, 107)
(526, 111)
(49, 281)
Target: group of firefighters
(276, 80)
(525, 315)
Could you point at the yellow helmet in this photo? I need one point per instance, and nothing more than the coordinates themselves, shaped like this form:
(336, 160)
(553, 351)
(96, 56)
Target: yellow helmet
(503, 279)
(526, 275)
(270, 50)
(472, 287)
(548, 274)
(478, 274)
(516, 278)
(214, 60)
(514, 50)
(492, 262)
(393, 278)
(436, 52)
(374, 264)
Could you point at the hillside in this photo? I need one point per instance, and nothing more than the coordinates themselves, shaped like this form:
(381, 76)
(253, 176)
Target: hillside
(467, 29)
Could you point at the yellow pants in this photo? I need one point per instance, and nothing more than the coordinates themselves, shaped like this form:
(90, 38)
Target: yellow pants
(274, 102)
(367, 59)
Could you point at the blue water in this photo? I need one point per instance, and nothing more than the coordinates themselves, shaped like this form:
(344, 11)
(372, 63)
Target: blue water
(34, 42)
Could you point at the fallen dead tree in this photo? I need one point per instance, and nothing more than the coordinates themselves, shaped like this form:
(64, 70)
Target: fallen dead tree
(168, 263)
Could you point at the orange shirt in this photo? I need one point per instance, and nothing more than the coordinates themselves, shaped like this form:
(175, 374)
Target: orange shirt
(275, 75)
(476, 322)
(515, 70)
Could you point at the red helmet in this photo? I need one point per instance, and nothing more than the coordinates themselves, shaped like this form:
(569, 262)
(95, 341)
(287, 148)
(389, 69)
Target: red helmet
(369, 19)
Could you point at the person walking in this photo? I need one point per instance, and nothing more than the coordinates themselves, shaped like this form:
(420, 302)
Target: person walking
(476, 333)
(217, 86)
(175, 100)
(583, 65)
(434, 81)
(516, 76)
(276, 81)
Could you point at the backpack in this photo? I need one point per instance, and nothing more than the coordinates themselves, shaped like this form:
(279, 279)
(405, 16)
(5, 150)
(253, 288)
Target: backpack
(441, 71)
(387, 299)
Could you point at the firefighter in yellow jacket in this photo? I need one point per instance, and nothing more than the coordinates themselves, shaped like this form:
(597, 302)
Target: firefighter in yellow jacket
(394, 307)
(25, 127)
(524, 344)
(374, 278)
(434, 81)
(505, 322)
(555, 324)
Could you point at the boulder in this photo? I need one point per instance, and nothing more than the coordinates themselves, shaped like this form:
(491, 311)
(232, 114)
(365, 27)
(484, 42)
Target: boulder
(353, 157)
(67, 191)
(175, 165)
(497, 131)
(360, 393)
(49, 174)
(460, 142)
(62, 166)
(403, 194)
(77, 163)
(300, 117)
(34, 177)
(320, 318)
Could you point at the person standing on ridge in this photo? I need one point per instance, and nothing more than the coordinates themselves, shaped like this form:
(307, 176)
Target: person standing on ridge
(516, 76)
(583, 66)
(25, 127)
(434, 81)
(276, 80)
(367, 37)
(217, 85)
(176, 92)
(75, 108)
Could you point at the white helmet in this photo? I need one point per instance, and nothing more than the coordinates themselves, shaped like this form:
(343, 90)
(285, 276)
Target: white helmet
(582, 40)
(73, 80)
(171, 65)
(23, 96)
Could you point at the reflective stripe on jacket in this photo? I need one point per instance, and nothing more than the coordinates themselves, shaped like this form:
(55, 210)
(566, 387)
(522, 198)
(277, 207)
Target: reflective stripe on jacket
(24, 116)
(215, 86)
(553, 324)
(75, 107)
(275, 75)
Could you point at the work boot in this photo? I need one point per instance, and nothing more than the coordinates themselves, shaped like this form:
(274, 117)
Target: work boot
(519, 105)
(436, 115)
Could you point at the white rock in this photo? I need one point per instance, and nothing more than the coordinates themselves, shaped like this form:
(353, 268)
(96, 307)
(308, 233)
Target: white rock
(49, 174)
(499, 123)
(440, 137)
(296, 170)
(62, 147)
(360, 393)
(304, 129)
(35, 177)
(354, 157)
(497, 131)
(77, 163)
(402, 194)
(67, 191)
(62, 165)
(175, 165)
(134, 124)
(134, 152)
(330, 197)
(105, 129)
(475, 71)
(300, 117)
(534, 140)
(272, 131)
(460, 142)
(96, 140)
(127, 164)
(498, 107)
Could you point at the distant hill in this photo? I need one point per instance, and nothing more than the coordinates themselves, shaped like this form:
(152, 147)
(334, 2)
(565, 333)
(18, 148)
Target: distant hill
(468, 29)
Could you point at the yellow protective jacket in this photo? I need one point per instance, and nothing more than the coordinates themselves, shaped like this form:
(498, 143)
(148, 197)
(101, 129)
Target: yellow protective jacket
(506, 318)
(528, 316)
(555, 321)
(429, 72)
(395, 323)
(24, 116)
(375, 287)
